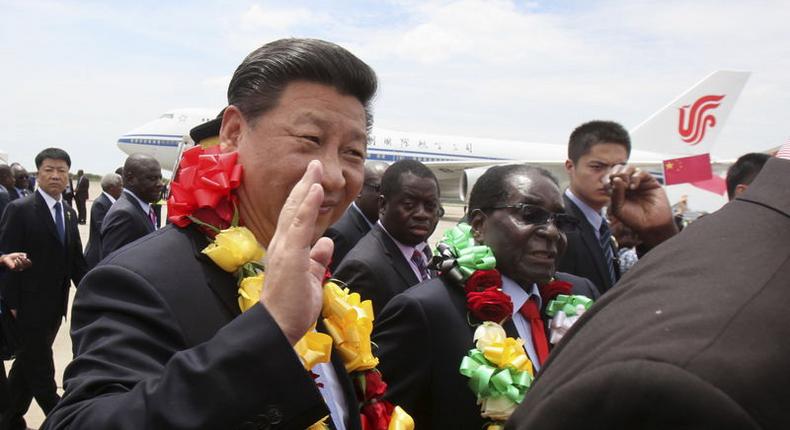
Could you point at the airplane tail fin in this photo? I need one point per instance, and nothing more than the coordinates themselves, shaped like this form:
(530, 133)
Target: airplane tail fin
(690, 124)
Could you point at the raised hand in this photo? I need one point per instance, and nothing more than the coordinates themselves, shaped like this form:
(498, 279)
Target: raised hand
(295, 267)
(640, 203)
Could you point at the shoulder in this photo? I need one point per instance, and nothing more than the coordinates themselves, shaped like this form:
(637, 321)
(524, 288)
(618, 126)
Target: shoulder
(581, 286)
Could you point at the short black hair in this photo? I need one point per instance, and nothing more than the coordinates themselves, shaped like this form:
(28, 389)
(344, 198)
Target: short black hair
(490, 190)
(53, 154)
(261, 78)
(592, 133)
(391, 180)
(744, 170)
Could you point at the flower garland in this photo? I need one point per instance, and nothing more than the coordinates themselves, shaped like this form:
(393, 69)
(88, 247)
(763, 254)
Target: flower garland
(499, 371)
(203, 194)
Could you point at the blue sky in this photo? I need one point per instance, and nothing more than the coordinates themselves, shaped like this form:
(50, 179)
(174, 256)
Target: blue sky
(79, 74)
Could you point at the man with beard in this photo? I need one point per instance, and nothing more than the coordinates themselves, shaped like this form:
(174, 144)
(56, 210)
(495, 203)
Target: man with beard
(424, 333)
(159, 338)
(393, 256)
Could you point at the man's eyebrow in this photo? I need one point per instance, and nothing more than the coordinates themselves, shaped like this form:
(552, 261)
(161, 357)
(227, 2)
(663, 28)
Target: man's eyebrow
(314, 118)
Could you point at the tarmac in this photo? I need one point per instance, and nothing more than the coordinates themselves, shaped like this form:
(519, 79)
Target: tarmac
(62, 352)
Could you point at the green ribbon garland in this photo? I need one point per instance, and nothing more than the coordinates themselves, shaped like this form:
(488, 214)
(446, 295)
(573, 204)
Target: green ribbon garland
(487, 380)
(567, 304)
(469, 256)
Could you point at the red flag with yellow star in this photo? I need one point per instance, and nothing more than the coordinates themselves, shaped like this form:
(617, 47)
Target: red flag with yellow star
(687, 169)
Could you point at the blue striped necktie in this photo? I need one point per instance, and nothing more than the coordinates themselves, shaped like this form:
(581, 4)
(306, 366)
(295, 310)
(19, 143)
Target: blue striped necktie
(606, 247)
(59, 223)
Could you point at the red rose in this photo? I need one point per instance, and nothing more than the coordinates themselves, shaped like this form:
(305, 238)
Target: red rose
(482, 280)
(375, 387)
(203, 186)
(554, 288)
(489, 305)
(378, 414)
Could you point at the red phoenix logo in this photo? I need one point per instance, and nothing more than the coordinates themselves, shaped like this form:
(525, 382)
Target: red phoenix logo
(692, 128)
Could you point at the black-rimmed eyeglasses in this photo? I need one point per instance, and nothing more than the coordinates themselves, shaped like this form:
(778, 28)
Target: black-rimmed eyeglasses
(533, 214)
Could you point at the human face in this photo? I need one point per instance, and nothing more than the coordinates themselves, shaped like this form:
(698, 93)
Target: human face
(21, 177)
(368, 200)
(526, 253)
(411, 215)
(310, 122)
(53, 175)
(146, 183)
(588, 175)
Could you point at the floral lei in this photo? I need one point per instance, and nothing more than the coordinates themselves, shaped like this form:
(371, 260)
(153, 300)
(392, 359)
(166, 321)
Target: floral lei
(498, 367)
(203, 194)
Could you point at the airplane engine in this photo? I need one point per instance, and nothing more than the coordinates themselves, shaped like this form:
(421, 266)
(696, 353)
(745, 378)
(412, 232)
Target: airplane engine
(468, 180)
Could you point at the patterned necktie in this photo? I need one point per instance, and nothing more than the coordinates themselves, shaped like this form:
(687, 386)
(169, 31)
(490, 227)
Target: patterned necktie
(59, 223)
(152, 216)
(606, 247)
(531, 313)
(418, 259)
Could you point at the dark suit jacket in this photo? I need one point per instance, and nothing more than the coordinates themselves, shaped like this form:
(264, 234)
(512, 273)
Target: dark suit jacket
(376, 269)
(40, 293)
(99, 210)
(124, 223)
(345, 233)
(583, 256)
(14, 194)
(5, 198)
(160, 343)
(422, 336)
(695, 336)
(83, 186)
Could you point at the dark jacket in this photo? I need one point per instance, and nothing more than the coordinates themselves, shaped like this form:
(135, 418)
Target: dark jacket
(345, 233)
(694, 336)
(99, 210)
(124, 223)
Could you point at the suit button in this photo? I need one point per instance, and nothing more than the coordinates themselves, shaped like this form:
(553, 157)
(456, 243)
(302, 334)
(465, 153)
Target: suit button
(274, 415)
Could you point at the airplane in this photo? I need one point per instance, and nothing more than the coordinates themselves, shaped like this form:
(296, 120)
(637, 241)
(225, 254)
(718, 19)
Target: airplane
(689, 125)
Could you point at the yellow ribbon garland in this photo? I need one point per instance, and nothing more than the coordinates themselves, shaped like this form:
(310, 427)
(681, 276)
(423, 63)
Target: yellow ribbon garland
(348, 319)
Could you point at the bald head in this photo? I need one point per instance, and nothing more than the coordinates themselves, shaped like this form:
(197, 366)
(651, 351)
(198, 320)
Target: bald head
(367, 201)
(142, 175)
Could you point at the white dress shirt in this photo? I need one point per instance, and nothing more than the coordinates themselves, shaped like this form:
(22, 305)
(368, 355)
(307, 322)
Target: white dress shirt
(408, 251)
(518, 296)
(51, 205)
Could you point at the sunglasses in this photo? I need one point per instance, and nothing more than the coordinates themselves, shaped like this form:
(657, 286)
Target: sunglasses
(533, 214)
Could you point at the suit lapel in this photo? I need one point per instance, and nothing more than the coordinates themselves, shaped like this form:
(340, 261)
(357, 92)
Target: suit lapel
(359, 220)
(139, 211)
(399, 263)
(221, 282)
(45, 216)
(590, 240)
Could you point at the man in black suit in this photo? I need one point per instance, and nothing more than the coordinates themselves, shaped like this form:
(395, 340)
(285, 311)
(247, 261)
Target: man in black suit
(21, 179)
(6, 183)
(393, 256)
(424, 333)
(159, 339)
(81, 195)
(597, 154)
(132, 216)
(693, 337)
(360, 217)
(46, 230)
(743, 171)
(112, 187)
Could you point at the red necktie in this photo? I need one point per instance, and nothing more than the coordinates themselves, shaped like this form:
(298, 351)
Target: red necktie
(531, 312)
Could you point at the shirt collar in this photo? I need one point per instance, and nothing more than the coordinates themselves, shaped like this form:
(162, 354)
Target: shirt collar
(593, 217)
(47, 198)
(146, 206)
(406, 250)
(518, 295)
(109, 196)
(370, 224)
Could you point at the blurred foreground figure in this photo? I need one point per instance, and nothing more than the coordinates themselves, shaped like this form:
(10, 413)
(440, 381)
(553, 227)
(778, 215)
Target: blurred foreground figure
(694, 336)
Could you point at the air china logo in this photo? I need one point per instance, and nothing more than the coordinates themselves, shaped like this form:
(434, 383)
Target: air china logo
(695, 121)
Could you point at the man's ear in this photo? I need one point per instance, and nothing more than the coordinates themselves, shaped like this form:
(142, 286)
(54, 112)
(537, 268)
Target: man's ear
(477, 219)
(568, 165)
(740, 189)
(382, 205)
(231, 130)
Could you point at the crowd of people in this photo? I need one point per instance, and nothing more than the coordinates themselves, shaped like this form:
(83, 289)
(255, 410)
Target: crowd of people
(543, 308)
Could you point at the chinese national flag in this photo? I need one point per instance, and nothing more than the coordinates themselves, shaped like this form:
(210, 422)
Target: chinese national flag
(687, 169)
